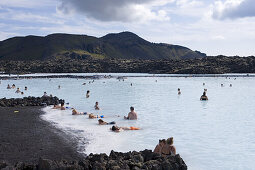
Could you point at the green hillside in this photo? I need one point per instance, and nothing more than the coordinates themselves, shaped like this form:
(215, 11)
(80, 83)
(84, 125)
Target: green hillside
(124, 45)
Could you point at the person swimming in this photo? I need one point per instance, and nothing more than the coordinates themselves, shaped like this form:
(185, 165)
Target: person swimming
(26, 88)
(204, 97)
(132, 115)
(118, 129)
(59, 87)
(87, 94)
(22, 93)
(96, 106)
(101, 122)
(13, 86)
(17, 91)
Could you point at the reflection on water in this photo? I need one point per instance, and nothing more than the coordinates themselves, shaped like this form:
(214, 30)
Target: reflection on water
(214, 134)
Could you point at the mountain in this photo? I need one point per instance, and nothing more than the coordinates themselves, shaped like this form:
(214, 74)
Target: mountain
(124, 45)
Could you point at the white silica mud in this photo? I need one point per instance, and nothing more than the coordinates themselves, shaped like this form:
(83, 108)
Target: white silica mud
(214, 134)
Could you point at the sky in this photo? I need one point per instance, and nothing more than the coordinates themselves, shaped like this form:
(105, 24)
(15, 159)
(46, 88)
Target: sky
(214, 27)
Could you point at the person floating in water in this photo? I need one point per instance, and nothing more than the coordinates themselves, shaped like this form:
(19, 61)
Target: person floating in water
(204, 97)
(87, 94)
(17, 91)
(8, 87)
(13, 86)
(118, 129)
(75, 112)
(132, 115)
(230, 85)
(222, 85)
(59, 87)
(22, 93)
(101, 122)
(56, 106)
(179, 91)
(203, 84)
(168, 148)
(26, 88)
(205, 90)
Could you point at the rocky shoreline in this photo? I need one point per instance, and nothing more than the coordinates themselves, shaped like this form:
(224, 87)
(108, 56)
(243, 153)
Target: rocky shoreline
(30, 101)
(115, 161)
(207, 65)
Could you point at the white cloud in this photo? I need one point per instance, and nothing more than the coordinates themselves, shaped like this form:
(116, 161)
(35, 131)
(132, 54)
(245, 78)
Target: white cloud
(120, 10)
(233, 9)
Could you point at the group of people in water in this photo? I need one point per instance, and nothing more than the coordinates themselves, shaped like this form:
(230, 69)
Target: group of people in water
(17, 90)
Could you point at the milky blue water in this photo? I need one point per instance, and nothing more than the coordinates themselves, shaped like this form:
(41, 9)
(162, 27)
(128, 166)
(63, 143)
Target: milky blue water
(215, 134)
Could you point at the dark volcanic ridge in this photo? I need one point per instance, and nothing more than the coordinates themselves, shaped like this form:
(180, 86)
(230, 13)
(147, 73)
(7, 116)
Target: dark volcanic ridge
(124, 45)
(207, 65)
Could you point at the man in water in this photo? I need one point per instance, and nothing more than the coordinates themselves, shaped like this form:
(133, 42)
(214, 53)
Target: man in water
(204, 97)
(179, 91)
(75, 112)
(132, 115)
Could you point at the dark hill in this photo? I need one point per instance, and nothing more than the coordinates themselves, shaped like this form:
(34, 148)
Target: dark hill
(125, 45)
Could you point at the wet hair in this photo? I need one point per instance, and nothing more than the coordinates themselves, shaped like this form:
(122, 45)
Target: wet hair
(179, 89)
(88, 91)
(132, 108)
(170, 140)
(114, 128)
(204, 93)
(100, 120)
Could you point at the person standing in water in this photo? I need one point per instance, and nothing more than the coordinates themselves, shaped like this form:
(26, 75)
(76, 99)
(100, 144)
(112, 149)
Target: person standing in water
(204, 97)
(87, 94)
(8, 87)
(17, 91)
(179, 91)
(96, 106)
(132, 115)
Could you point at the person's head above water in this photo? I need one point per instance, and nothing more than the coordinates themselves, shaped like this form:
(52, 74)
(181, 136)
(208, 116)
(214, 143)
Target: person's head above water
(204, 93)
(115, 128)
(132, 108)
(170, 140)
(62, 104)
(100, 121)
(88, 91)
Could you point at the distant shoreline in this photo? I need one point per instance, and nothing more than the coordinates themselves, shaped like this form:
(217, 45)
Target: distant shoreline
(108, 75)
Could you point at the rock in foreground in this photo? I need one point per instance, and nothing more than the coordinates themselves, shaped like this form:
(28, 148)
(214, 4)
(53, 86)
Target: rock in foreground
(115, 161)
